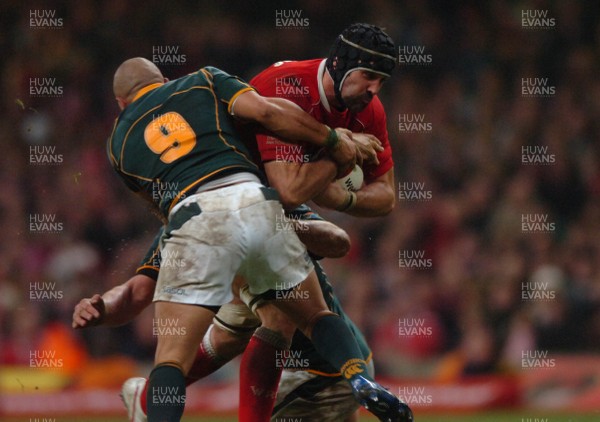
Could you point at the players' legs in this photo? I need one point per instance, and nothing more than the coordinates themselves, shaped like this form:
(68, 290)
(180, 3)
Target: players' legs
(226, 338)
(190, 323)
(279, 262)
(195, 278)
(276, 320)
(174, 357)
(328, 332)
(306, 396)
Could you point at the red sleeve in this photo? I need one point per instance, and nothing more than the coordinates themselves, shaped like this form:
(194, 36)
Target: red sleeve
(280, 80)
(378, 127)
(273, 149)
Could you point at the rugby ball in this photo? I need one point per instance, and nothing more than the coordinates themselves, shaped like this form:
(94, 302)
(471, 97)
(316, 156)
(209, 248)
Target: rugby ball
(353, 180)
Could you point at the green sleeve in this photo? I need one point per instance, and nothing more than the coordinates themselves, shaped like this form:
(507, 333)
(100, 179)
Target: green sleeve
(150, 264)
(227, 87)
(303, 212)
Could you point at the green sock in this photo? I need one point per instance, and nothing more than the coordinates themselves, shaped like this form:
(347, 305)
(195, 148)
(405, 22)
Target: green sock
(335, 342)
(165, 397)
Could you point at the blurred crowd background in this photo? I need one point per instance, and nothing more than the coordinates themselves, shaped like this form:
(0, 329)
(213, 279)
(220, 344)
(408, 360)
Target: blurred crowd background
(468, 225)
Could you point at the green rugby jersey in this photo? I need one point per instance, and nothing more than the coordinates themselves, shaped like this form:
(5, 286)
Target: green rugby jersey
(302, 352)
(175, 136)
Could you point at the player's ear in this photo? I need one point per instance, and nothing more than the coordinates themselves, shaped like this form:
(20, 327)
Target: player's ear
(165, 80)
(121, 102)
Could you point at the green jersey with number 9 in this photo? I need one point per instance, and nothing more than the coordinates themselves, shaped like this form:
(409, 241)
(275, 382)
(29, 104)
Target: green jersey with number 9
(176, 136)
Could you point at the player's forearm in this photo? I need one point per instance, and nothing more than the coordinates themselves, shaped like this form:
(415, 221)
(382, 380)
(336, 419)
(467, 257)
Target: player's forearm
(288, 121)
(373, 200)
(323, 238)
(298, 183)
(126, 301)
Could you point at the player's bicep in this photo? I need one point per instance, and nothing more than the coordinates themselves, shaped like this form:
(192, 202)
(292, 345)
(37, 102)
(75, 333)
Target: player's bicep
(265, 110)
(249, 105)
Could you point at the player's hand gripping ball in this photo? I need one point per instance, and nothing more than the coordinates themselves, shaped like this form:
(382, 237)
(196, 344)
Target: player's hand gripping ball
(353, 180)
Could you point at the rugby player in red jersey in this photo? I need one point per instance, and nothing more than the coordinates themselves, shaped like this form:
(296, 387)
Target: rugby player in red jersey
(339, 91)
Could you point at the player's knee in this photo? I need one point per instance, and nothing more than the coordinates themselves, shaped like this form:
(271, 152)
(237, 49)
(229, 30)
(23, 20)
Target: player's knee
(235, 320)
(225, 344)
(275, 320)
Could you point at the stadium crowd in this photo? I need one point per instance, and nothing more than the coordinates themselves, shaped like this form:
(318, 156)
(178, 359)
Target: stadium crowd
(492, 248)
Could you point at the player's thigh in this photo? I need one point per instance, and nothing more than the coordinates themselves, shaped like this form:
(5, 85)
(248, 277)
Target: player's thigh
(199, 257)
(179, 328)
(306, 304)
(276, 259)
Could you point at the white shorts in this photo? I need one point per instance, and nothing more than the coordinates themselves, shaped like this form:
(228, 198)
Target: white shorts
(307, 397)
(216, 234)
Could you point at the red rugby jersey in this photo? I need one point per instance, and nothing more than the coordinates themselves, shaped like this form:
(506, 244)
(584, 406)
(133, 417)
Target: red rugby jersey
(301, 83)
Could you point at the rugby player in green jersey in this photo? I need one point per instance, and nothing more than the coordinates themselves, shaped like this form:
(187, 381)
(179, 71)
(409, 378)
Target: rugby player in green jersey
(309, 387)
(178, 139)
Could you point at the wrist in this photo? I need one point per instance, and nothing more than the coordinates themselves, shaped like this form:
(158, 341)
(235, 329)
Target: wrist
(332, 140)
(349, 203)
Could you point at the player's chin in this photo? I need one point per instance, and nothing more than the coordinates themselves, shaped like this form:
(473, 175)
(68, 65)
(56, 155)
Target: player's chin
(356, 106)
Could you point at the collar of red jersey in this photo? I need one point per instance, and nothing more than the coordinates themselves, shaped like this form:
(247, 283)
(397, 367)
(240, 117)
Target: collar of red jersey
(322, 96)
(146, 89)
